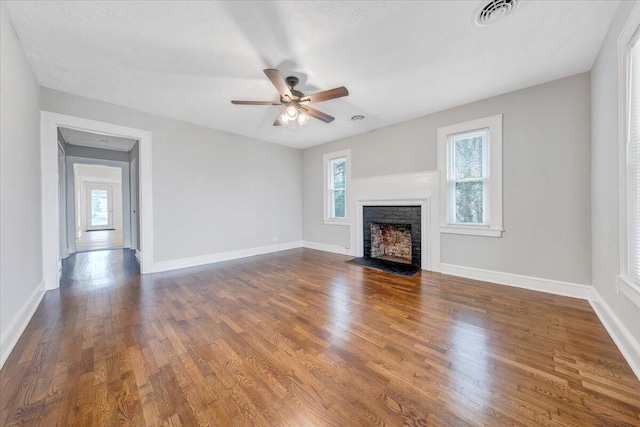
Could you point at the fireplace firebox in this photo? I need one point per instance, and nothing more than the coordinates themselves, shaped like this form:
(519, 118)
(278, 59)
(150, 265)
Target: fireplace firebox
(391, 242)
(392, 233)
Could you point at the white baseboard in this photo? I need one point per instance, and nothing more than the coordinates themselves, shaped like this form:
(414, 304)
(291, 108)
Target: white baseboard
(12, 334)
(533, 283)
(626, 343)
(222, 256)
(327, 248)
(138, 256)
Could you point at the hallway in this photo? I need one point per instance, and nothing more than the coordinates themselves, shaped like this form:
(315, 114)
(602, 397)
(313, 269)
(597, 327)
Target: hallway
(99, 240)
(98, 269)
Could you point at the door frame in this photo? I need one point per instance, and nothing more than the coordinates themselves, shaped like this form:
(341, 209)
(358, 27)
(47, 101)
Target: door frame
(63, 240)
(133, 203)
(49, 123)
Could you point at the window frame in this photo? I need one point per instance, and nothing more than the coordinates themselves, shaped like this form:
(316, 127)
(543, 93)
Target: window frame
(451, 179)
(624, 281)
(492, 213)
(327, 161)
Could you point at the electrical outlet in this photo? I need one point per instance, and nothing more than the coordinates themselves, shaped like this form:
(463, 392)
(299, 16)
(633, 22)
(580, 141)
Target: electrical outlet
(275, 239)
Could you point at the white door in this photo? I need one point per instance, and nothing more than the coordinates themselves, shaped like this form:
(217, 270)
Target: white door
(99, 207)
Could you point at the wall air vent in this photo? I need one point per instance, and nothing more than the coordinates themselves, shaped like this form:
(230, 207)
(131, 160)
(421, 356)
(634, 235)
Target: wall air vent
(494, 11)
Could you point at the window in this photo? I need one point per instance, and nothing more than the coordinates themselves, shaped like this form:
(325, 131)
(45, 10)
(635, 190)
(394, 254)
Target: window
(337, 188)
(336, 183)
(467, 178)
(629, 278)
(470, 161)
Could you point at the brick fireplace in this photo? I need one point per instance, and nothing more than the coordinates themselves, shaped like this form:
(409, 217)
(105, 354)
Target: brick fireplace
(393, 233)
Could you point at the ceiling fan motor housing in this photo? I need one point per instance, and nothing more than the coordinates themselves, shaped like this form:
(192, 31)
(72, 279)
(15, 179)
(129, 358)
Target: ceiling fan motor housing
(292, 81)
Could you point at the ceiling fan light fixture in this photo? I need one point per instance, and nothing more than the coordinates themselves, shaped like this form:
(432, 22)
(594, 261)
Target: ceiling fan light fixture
(291, 112)
(283, 118)
(302, 119)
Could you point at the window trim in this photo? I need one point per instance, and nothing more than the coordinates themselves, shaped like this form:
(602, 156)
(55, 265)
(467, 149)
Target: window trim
(493, 125)
(624, 282)
(326, 161)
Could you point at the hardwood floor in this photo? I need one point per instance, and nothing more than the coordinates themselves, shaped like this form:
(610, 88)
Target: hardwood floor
(100, 239)
(300, 338)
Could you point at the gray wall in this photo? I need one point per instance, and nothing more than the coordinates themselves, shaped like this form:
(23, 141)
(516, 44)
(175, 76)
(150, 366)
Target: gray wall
(20, 222)
(605, 175)
(546, 179)
(212, 191)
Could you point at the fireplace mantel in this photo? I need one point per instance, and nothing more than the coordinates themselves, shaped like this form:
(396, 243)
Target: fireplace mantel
(417, 189)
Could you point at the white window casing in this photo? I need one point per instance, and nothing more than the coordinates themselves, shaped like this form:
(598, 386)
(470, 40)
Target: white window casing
(329, 161)
(628, 281)
(489, 131)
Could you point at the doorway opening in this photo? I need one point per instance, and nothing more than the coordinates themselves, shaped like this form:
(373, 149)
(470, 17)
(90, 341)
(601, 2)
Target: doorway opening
(99, 208)
(93, 143)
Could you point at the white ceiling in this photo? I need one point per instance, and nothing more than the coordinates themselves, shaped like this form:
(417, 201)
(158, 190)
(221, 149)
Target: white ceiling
(95, 140)
(399, 60)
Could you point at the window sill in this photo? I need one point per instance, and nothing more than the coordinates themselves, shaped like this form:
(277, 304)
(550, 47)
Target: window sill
(329, 221)
(629, 289)
(471, 231)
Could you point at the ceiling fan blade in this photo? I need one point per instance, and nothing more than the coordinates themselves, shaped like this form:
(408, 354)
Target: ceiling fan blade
(318, 114)
(255, 103)
(326, 95)
(277, 122)
(277, 80)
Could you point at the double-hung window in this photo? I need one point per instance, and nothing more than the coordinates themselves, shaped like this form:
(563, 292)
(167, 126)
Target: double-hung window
(336, 182)
(629, 278)
(470, 161)
(468, 178)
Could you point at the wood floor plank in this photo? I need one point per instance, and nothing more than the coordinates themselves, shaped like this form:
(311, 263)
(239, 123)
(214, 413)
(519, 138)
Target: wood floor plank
(302, 338)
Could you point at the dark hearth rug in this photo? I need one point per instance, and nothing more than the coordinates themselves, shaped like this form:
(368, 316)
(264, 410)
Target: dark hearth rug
(407, 270)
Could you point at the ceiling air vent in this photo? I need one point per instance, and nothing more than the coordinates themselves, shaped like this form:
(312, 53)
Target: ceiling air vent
(494, 11)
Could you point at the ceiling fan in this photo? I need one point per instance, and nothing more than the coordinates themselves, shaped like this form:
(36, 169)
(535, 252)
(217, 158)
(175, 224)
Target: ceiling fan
(296, 103)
